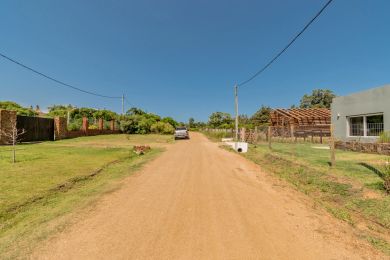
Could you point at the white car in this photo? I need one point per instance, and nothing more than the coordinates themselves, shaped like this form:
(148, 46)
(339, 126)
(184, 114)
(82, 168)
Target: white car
(181, 133)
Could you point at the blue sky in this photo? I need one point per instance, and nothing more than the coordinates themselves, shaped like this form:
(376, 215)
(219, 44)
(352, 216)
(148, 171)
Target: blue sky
(182, 58)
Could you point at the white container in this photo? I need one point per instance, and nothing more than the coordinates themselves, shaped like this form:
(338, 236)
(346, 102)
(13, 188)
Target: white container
(241, 147)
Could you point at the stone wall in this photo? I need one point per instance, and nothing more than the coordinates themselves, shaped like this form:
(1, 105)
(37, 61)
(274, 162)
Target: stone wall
(6, 119)
(378, 148)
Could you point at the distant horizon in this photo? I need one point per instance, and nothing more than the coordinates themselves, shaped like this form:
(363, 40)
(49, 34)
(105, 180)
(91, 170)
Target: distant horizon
(182, 59)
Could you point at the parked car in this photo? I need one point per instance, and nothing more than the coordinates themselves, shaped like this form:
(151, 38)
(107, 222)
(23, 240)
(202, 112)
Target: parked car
(181, 133)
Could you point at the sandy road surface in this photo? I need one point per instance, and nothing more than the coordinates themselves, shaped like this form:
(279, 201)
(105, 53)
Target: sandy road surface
(197, 201)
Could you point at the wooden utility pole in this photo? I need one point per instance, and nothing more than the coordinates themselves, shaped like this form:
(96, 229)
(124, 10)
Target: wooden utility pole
(236, 109)
(332, 148)
(269, 137)
(123, 104)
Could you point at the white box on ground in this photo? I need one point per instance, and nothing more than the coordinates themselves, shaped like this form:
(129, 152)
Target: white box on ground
(241, 147)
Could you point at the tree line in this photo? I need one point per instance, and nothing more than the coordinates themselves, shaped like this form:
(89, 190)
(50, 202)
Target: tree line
(319, 98)
(138, 121)
(134, 121)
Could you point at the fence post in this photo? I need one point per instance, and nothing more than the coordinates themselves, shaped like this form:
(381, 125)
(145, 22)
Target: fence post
(85, 125)
(60, 128)
(269, 137)
(112, 126)
(255, 135)
(101, 122)
(242, 134)
(332, 148)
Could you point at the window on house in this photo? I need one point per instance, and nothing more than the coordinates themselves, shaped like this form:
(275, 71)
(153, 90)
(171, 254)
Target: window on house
(356, 126)
(368, 125)
(374, 125)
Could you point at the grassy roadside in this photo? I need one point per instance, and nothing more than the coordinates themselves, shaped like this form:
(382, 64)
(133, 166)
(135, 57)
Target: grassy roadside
(351, 192)
(38, 195)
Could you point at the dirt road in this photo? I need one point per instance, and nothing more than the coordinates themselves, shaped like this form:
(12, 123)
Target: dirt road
(198, 201)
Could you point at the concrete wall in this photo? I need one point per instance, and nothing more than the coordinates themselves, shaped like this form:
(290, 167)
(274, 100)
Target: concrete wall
(372, 101)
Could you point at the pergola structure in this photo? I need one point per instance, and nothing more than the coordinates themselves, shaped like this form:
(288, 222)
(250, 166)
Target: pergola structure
(302, 121)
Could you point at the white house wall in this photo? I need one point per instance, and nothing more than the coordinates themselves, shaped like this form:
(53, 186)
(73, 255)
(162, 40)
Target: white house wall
(372, 101)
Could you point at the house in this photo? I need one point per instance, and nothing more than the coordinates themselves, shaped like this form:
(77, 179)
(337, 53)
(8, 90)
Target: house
(301, 122)
(362, 116)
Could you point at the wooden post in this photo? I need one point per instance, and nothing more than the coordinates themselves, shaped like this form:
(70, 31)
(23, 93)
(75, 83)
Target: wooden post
(243, 134)
(332, 148)
(101, 124)
(85, 125)
(292, 133)
(269, 137)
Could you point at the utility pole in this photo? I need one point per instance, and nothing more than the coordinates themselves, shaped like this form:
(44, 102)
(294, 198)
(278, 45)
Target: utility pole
(236, 108)
(68, 118)
(123, 104)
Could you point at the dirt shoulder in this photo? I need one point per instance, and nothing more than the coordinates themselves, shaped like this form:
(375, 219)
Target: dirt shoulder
(197, 201)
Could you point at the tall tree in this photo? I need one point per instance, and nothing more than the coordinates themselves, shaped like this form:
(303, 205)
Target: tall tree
(261, 117)
(135, 111)
(191, 122)
(9, 105)
(319, 98)
(220, 120)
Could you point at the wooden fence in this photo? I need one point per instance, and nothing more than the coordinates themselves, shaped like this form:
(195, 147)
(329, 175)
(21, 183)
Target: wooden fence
(317, 134)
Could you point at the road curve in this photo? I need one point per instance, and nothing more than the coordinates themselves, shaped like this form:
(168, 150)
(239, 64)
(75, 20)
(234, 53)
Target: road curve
(198, 201)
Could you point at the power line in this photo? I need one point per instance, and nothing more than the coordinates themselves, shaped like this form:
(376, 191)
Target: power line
(55, 80)
(287, 46)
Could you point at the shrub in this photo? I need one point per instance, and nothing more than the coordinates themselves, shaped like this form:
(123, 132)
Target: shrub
(9, 105)
(384, 137)
(162, 128)
(137, 124)
(75, 125)
(93, 127)
(386, 177)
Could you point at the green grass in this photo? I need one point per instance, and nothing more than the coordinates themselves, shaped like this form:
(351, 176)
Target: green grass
(51, 179)
(343, 187)
(349, 191)
(380, 244)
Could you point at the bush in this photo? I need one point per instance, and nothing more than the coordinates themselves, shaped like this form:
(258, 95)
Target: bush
(386, 177)
(384, 137)
(75, 125)
(162, 128)
(93, 127)
(9, 105)
(138, 124)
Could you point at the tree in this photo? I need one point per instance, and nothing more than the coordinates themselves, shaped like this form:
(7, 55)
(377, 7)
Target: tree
(135, 111)
(13, 136)
(244, 121)
(9, 105)
(60, 110)
(319, 98)
(170, 121)
(105, 114)
(191, 122)
(261, 117)
(220, 120)
(162, 128)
